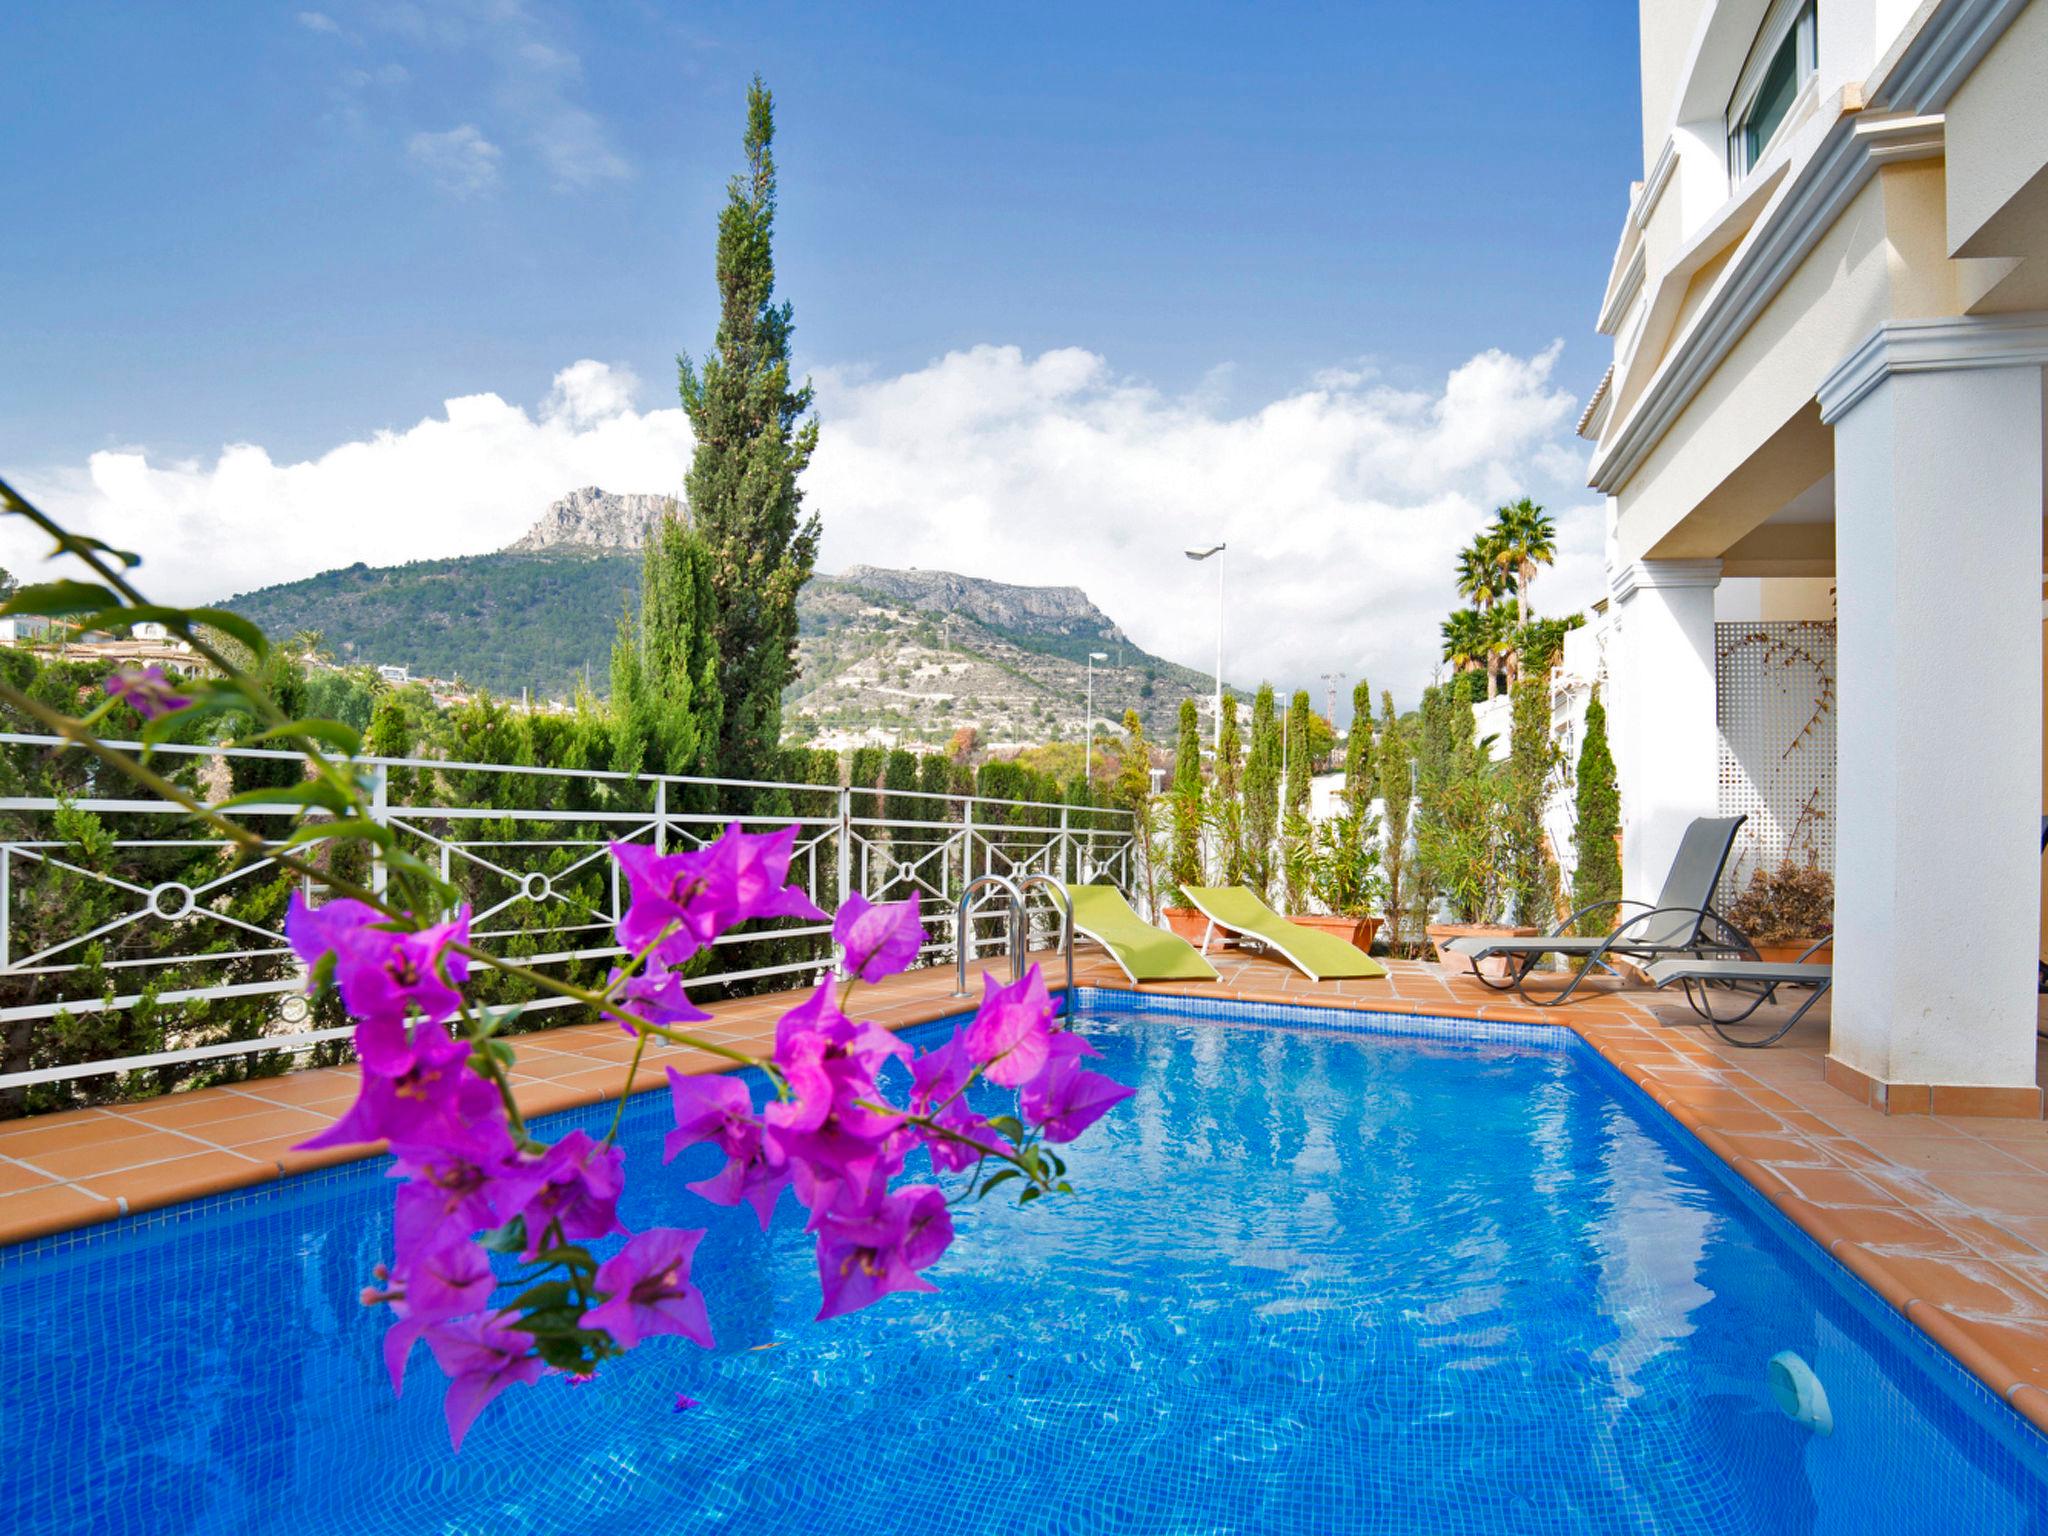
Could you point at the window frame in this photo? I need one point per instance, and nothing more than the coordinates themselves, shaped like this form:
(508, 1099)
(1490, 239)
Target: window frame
(1793, 22)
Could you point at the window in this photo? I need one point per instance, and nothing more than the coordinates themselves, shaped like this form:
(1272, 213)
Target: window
(1779, 65)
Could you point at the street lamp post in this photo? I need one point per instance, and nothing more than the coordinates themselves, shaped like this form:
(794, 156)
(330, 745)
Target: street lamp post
(1088, 725)
(1203, 554)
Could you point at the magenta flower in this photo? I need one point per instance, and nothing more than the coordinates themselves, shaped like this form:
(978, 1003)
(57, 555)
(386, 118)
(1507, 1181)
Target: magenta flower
(1010, 1032)
(382, 973)
(447, 1277)
(660, 996)
(433, 1100)
(684, 900)
(863, 1258)
(574, 1184)
(716, 1108)
(761, 875)
(832, 1130)
(684, 1402)
(647, 1290)
(938, 1079)
(444, 1191)
(481, 1357)
(1065, 1099)
(147, 691)
(877, 940)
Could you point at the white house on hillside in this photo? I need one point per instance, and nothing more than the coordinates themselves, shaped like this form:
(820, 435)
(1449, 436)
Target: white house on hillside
(1822, 443)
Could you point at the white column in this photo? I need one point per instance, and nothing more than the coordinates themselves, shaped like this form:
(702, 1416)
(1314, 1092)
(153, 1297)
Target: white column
(1661, 665)
(1938, 545)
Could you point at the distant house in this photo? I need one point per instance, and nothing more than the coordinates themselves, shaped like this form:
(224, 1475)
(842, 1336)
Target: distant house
(398, 677)
(24, 630)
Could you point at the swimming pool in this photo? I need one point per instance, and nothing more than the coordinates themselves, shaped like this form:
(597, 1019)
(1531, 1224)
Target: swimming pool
(1326, 1272)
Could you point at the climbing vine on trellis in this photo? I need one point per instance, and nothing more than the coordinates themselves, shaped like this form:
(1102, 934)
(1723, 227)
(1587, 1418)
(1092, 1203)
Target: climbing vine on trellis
(1776, 708)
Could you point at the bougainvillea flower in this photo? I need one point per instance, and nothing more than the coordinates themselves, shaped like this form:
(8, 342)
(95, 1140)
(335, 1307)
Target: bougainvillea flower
(647, 1290)
(444, 1191)
(574, 1184)
(147, 691)
(716, 1108)
(658, 995)
(683, 1402)
(446, 1277)
(938, 1078)
(382, 973)
(863, 1258)
(1065, 1098)
(877, 940)
(683, 900)
(482, 1357)
(1010, 1033)
(761, 875)
(433, 1101)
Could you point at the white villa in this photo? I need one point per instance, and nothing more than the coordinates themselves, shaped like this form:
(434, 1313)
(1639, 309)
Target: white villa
(1829, 307)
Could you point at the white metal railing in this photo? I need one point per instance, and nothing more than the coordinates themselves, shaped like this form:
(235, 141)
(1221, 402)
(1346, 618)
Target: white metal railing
(541, 888)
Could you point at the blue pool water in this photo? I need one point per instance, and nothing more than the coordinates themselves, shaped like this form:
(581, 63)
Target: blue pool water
(1319, 1276)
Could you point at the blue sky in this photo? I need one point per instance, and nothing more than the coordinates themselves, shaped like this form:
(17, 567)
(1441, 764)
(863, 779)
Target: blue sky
(300, 226)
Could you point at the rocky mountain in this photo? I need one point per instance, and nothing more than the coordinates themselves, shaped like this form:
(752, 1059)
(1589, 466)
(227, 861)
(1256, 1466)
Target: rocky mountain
(591, 519)
(883, 655)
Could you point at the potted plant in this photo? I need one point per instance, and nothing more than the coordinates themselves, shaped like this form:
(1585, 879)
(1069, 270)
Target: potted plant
(1344, 878)
(1785, 911)
(1460, 841)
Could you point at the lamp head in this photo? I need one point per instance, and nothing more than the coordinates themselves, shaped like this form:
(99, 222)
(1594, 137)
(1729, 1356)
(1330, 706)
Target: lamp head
(1098, 655)
(1203, 554)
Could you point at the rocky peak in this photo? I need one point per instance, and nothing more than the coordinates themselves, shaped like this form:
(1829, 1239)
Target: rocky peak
(592, 519)
(997, 604)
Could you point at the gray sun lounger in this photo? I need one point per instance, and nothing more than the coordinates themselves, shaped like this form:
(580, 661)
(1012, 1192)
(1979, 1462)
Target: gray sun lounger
(1760, 978)
(1681, 923)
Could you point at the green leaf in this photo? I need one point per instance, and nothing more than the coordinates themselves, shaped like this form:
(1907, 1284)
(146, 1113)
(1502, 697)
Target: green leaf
(314, 792)
(329, 733)
(1009, 1125)
(340, 831)
(509, 1238)
(1030, 1195)
(548, 1294)
(234, 626)
(52, 599)
(994, 1179)
(83, 543)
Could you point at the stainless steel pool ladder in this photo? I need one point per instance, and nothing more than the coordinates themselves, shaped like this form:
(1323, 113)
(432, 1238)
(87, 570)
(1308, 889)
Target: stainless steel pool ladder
(1019, 929)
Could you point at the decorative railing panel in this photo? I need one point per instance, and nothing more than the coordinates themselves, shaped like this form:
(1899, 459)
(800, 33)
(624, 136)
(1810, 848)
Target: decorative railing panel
(130, 943)
(1775, 703)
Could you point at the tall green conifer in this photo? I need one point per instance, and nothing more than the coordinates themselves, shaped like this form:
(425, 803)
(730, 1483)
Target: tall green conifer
(1262, 793)
(1185, 866)
(754, 438)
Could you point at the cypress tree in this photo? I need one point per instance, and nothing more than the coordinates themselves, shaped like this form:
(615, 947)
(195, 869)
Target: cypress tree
(1297, 836)
(1396, 792)
(1596, 876)
(1299, 768)
(1359, 784)
(754, 437)
(1185, 868)
(1228, 811)
(1531, 756)
(666, 705)
(1261, 792)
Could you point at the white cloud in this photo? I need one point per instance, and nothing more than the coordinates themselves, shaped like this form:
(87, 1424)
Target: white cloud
(1343, 503)
(460, 161)
(319, 21)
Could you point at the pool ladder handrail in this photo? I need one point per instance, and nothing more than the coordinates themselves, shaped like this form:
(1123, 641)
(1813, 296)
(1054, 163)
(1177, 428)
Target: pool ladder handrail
(1020, 929)
(1026, 886)
(963, 936)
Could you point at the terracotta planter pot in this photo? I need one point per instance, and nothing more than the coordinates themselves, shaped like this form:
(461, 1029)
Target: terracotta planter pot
(1493, 965)
(1359, 931)
(1186, 923)
(1789, 951)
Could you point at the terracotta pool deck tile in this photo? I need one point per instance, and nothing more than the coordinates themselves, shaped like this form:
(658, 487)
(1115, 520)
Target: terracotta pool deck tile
(1830, 1186)
(1995, 1194)
(16, 1177)
(1894, 1229)
(1968, 1287)
(91, 1163)
(52, 1208)
(182, 1178)
(61, 1132)
(324, 1085)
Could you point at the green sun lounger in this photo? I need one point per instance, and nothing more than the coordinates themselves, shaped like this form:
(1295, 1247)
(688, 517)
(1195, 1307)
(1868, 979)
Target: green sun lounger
(1318, 956)
(1145, 953)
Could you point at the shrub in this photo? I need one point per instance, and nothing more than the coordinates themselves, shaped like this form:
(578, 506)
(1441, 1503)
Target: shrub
(1792, 902)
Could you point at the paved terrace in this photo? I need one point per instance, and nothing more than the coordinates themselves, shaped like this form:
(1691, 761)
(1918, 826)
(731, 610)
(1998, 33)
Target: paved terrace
(1944, 1216)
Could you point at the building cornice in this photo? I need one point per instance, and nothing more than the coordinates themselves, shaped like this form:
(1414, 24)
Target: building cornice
(1931, 59)
(1933, 346)
(1626, 292)
(1595, 401)
(1654, 184)
(1640, 575)
(1804, 210)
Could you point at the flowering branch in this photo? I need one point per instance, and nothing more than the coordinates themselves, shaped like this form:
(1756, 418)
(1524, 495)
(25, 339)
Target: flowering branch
(476, 1184)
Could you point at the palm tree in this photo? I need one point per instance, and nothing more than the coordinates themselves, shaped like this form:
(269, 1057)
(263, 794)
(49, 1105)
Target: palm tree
(1498, 640)
(1526, 537)
(1465, 639)
(1484, 581)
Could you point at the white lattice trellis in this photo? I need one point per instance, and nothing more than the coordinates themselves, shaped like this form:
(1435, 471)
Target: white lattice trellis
(1775, 704)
